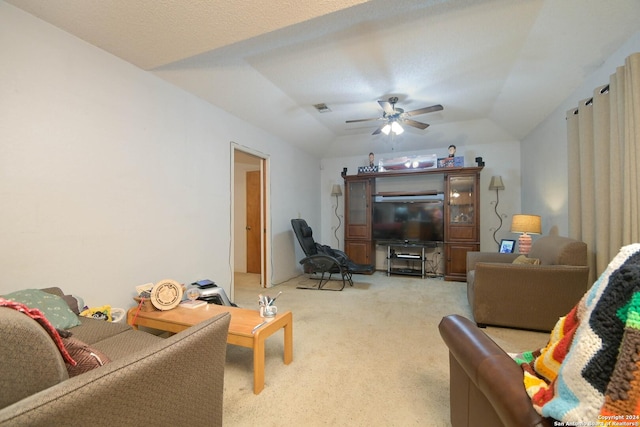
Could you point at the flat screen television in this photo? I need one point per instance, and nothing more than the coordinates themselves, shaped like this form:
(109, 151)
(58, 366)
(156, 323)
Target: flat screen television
(409, 219)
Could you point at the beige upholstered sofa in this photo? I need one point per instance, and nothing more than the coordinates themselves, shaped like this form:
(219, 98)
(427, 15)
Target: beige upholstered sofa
(149, 381)
(527, 296)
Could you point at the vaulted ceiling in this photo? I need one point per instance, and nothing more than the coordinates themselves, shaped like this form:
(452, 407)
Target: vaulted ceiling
(498, 65)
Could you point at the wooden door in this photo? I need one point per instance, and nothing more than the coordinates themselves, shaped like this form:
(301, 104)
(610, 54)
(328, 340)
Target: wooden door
(456, 260)
(359, 251)
(254, 234)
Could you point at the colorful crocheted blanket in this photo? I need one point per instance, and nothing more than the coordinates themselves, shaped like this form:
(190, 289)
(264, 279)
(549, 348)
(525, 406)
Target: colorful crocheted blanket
(588, 373)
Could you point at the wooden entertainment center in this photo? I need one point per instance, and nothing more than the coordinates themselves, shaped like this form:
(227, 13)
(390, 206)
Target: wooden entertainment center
(459, 187)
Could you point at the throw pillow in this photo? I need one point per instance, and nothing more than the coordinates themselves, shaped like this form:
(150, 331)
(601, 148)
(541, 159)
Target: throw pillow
(523, 259)
(55, 309)
(86, 358)
(72, 302)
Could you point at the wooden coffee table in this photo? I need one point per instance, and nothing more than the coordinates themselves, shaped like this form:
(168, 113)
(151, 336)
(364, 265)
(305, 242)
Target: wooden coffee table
(241, 329)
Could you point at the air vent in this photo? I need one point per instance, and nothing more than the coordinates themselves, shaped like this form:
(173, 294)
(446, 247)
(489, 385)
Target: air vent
(322, 108)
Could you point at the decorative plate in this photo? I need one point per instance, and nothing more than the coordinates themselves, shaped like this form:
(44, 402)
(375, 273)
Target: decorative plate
(166, 294)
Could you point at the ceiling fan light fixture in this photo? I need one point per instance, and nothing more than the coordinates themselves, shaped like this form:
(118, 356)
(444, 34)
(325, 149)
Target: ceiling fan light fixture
(393, 116)
(396, 128)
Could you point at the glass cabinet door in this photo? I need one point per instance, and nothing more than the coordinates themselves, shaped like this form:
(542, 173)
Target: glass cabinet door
(461, 200)
(462, 234)
(358, 202)
(358, 209)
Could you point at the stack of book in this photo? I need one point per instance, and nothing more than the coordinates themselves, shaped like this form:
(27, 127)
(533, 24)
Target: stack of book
(193, 304)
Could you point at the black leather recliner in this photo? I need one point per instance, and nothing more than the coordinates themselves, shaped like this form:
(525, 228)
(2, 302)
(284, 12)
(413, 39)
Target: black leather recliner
(323, 260)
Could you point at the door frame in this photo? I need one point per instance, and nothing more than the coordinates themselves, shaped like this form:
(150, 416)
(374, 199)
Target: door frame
(265, 221)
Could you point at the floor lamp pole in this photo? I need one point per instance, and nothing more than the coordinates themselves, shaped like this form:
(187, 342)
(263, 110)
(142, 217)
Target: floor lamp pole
(335, 232)
(499, 217)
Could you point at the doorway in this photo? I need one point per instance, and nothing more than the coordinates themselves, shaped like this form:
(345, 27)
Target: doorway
(249, 216)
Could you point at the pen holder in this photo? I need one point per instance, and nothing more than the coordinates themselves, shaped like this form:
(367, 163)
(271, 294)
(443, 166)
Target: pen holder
(269, 312)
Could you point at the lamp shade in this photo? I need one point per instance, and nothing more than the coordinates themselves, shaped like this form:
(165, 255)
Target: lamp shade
(496, 183)
(392, 127)
(530, 224)
(396, 128)
(336, 190)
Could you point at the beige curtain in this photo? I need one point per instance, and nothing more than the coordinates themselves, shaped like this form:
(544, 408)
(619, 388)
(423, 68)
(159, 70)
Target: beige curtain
(604, 155)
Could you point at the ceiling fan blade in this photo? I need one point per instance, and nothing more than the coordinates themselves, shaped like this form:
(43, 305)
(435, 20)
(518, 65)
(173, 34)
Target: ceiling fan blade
(363, 120)
(377, 131)
(415, 124)
(386, 106)
(425, 110)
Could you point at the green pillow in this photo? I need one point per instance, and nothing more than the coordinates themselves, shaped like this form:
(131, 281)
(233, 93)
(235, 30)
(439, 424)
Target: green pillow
(54, 308)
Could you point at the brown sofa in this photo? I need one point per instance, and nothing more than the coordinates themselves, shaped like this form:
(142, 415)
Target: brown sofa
(149, 381)
(526, 296)
(486, 385)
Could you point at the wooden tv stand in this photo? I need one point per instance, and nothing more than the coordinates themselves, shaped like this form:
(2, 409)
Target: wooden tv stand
(461, 210)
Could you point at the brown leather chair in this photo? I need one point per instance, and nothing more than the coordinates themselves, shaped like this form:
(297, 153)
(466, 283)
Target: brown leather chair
(526, 296)
(486, 386)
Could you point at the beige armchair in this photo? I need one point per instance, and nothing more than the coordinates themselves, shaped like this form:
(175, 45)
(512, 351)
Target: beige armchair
(527, 296)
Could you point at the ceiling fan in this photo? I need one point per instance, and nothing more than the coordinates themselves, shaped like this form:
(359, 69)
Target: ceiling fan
(394, 117)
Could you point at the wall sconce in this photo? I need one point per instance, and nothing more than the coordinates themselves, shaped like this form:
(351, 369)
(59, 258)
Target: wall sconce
(525, 224)
(496, 184)
(336, 190)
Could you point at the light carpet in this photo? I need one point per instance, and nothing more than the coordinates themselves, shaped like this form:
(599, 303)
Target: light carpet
(370, 355)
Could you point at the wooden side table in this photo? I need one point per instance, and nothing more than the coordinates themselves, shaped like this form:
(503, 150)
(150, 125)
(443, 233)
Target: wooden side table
(241, 329)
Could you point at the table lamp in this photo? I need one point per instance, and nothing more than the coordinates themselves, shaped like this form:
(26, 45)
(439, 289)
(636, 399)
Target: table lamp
(525, 224)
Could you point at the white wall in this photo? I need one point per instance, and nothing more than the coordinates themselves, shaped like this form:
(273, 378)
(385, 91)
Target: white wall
(544, 151)
(111, 177)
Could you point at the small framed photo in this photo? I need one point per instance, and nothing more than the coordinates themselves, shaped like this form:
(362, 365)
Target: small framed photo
(507, 246)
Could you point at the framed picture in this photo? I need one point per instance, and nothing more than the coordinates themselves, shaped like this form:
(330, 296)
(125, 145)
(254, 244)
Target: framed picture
(507, 246)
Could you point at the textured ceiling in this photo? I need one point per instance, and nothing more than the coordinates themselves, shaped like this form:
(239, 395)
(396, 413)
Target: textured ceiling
(151, 33)
(497, 66)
